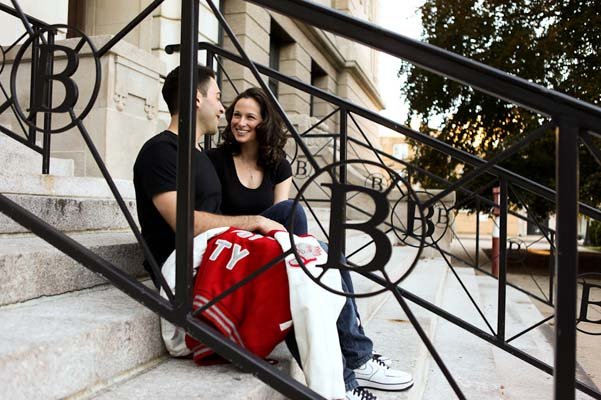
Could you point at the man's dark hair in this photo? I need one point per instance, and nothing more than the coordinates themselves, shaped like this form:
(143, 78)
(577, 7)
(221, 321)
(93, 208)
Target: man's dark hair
(171, 86)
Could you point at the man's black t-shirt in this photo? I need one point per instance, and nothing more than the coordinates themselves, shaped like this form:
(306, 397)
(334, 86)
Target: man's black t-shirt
(236, 198)
(155, 172)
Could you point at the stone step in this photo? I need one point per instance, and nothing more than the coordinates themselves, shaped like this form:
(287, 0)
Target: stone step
(482, 370)
(70, 214)
(395, 336)
(322, 214)
(63, 186)
(401, 259)
(18, 159)
(177, 379)
(31, 268)
(182, 379)
(52, 348)
(469, 359)
(520, 380)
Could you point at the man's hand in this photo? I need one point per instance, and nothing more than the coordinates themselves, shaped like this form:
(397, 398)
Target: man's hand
(266, 225)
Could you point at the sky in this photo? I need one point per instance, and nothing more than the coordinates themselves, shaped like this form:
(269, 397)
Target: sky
(401, 16)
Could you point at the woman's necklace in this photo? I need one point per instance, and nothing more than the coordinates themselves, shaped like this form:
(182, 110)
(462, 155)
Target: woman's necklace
(252, 176)
(249, 169)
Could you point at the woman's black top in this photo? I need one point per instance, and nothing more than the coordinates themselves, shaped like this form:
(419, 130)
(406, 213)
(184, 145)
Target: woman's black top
(236, 198)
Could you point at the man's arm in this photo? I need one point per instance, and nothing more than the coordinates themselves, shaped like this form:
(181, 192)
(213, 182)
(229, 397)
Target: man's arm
(203, 221)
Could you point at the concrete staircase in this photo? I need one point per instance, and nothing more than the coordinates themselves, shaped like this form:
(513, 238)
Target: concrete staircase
(482, 370)
(66, 333)
(64, 329)
(176, 379)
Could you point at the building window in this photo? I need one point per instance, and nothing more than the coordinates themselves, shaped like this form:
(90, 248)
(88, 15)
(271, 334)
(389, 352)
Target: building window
(274, 63)
(318, 80)
(76, 17)
(278, 38)
(400, 151)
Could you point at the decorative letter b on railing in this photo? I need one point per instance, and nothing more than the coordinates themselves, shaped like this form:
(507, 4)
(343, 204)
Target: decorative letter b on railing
(339, 226)
(366, 209)
(43, 102)
(54, 80)
(586, 325)
(417, 223)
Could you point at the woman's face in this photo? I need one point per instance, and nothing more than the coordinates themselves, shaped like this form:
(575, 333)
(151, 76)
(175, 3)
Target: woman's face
(246, 117)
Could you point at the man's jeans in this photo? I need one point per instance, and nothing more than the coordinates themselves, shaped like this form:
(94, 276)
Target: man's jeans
(356, 347)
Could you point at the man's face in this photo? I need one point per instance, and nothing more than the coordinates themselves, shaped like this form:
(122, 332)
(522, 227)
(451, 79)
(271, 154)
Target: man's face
(209, 109)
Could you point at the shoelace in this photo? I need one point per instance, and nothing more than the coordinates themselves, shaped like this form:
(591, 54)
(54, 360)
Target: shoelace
(376, 358)
(364, 394)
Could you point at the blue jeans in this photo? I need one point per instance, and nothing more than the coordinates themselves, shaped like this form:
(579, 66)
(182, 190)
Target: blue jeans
(281, 212)
(356, 347)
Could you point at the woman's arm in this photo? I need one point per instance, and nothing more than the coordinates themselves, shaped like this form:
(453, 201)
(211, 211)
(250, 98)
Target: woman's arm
(282, 190)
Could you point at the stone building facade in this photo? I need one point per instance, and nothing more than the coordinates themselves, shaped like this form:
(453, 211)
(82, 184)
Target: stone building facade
(129, 108)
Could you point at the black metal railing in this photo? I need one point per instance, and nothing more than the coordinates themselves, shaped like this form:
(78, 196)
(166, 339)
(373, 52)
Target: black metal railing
(571, 119)
(28, 132)
(507, 182)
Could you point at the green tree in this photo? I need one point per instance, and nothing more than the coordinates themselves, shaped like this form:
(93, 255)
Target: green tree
(553, 43)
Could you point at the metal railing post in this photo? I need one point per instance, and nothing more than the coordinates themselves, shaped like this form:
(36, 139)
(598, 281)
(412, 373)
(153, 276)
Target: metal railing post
(35, 59)
(552, 254)
(185, 161)
(566, 265)
(47, 115)
(343, 167)
(502, 261)
(209, 63)
(477, 256)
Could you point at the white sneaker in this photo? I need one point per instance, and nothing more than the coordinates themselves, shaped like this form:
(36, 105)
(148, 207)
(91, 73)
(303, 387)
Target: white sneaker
(387, 361)
(360, 394)
(374, 374)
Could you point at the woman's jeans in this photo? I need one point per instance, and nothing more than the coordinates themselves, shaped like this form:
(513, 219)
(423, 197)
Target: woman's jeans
(356, 347)
(281, 212)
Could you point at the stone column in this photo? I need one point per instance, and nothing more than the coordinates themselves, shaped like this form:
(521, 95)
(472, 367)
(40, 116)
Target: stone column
(107, 17)
(295, 62)
(321, 108)
(251, 27)
(153, 33)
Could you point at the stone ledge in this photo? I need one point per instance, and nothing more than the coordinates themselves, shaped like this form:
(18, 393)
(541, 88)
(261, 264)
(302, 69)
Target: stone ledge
(19, 160)
(31, 268)
(182, 379)
(53, 347)
(69, 214)
(66, 186)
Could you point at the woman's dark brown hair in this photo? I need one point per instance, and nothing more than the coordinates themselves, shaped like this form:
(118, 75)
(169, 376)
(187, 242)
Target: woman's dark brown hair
(270, 134)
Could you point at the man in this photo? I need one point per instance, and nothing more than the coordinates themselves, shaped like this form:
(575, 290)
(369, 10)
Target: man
(155, 185)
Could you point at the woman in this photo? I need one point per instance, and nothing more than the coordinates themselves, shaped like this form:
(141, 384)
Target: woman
(256, 179)
(255, 175)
